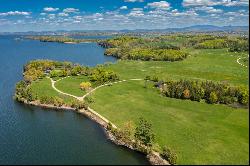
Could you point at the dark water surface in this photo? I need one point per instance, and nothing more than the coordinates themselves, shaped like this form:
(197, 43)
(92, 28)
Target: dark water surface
(31, 135)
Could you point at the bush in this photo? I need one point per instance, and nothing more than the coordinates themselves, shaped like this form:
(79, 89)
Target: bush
(243, 95)
(169, 155)
(78, 105)
(57, 101)
(212, 44)
(213, 98)
(144, 133)
(186, 94)
(85, 85)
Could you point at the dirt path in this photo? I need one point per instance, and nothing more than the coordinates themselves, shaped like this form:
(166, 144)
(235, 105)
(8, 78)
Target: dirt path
(53, 86)
(82, 98)
(238, 61)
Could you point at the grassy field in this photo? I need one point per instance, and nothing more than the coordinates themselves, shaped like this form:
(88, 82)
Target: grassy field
(217, 65)
(71, 85)
(200, 133)
(43, 88)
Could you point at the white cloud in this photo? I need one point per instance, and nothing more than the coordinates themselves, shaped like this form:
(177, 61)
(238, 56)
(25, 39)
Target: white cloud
(63, 14)
(208, 9)
(15, 13)
(136, 12)
(50, 9)
(236, 3)
(70, 10)
(187, 3)
(51, 16)
(186, 13)
(123, 7)
(134, 1)
(163, 5)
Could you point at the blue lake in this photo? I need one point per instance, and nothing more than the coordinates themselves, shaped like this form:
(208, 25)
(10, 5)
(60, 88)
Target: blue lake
(31, 135)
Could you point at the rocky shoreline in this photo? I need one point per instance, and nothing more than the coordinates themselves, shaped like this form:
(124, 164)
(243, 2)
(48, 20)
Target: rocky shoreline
(154, 158)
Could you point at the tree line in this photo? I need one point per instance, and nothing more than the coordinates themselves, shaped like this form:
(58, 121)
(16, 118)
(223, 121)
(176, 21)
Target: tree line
(138, 48)
(60, 39)
(209, 91)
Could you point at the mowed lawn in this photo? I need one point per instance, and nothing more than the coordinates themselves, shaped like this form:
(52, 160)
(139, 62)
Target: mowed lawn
(71, 85)
(43, 88)
(200, 133)
(206, 64)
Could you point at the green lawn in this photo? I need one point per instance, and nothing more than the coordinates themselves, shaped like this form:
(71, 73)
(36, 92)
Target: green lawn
(200, 133)
(217, 65)
(71, 85)
(43, 88)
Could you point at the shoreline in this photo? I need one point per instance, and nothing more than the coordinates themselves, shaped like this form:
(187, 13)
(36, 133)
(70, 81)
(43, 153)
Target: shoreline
(153, 157)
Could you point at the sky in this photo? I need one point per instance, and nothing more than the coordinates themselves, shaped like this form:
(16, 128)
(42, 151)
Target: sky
(50, 15)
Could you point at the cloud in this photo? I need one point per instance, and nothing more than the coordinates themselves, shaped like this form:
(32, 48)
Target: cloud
(63, 14)
(15, 13)
(134, 1)
(236, 3)
(50, 9)
(186, 13)
(163, 5)
(136, 12)
(70, 10)
(123, 7)
(209, 9)
(187, 3)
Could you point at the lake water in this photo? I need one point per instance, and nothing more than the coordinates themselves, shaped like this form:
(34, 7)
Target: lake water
(31, 135)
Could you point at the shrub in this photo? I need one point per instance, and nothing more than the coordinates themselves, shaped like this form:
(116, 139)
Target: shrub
(186, 94)
(213, 98)
(243, 95)
(85, 85)
(144, 133)
(78, 105)
(58, 101)
(169, 155)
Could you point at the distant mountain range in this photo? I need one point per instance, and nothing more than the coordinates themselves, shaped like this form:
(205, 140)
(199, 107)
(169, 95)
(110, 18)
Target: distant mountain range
(195, 28)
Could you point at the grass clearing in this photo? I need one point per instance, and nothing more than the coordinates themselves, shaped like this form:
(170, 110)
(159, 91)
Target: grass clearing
(200, 133)
(43, 88)
(206, 64)
(71, 85)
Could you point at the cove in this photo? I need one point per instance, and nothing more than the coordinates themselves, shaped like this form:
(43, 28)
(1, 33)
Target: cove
(32, 135)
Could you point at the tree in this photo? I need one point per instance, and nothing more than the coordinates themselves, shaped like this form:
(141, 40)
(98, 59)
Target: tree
(85, 85)
(243, 96)
(213, 97)
(144, 133)
(186, 94)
